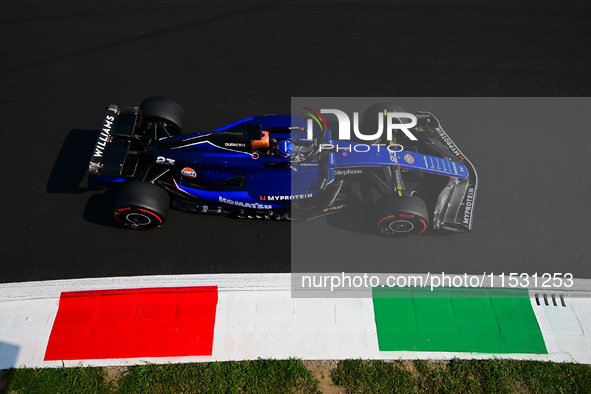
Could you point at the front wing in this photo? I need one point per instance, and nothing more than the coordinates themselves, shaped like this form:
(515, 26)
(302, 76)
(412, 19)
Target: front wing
(454, 209)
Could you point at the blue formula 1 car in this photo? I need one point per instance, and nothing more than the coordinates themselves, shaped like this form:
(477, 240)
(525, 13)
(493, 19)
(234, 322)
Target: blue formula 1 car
(278, 167)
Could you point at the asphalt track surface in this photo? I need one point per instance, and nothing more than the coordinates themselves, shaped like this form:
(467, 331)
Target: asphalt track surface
(62, 62)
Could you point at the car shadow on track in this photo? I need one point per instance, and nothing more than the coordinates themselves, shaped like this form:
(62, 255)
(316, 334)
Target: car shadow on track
(99, 209)
(356, 218)
(69, 170)
(68, 176)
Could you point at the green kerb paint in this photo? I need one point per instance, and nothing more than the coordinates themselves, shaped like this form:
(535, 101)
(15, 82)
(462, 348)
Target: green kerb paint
(456, 320)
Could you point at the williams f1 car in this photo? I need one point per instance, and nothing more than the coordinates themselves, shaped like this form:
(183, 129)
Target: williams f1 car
(284, 167)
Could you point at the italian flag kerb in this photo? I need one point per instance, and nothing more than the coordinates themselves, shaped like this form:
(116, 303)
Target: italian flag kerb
(494, 321)
(177, 322)
(128, 323)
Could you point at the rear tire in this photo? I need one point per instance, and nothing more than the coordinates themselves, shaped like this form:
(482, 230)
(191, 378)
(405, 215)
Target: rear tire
(141, 205)
(165, 110)
(401, 216)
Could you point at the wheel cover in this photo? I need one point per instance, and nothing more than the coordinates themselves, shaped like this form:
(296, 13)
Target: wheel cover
(402, 225)
(138, 218)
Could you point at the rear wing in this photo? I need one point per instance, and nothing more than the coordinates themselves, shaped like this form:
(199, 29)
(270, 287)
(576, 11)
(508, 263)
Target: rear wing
(455, 205)
(109, 157)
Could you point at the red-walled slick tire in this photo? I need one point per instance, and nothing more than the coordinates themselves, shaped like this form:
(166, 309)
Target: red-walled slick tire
(141, 205)
(401, 216)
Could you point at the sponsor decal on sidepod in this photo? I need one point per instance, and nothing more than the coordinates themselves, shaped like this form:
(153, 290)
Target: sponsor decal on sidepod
(347, 172)
(189, 172)
(245, 204)
(282, 198)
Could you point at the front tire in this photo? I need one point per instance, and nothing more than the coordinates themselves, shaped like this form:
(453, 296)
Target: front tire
(141, 205)
(401, 216)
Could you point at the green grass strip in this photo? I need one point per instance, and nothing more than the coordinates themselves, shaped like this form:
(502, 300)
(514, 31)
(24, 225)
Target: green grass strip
(259, 376)
(291, 376)
(89, 380)
(494, 321)
(462, 376)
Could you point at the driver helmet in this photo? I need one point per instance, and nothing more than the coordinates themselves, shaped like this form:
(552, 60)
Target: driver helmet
(285, 149)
